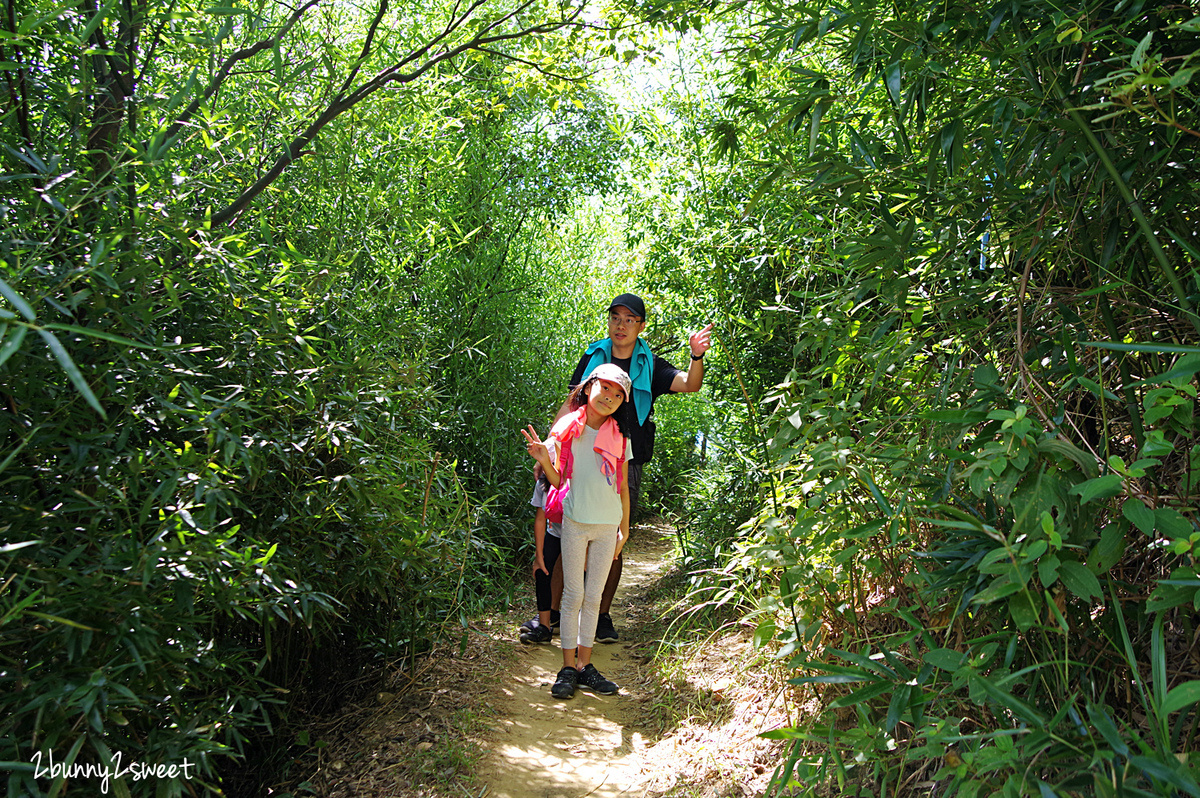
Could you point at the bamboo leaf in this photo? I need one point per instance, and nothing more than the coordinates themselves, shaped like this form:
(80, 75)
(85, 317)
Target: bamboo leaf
(17, 300)
(66, 621)
(30, 157)
(951, 143)
(960, 416)
(72, 371)
(1163, 772)
(1001, 587)
(6, 548)
(12, 455)
(897, 706)
(863, 661)
(1019, 708)
(1108, 730)
(862, 694)
(11, 342)
(880, 500)
(762, 189)
(1161, 348)
(92, 332)
(1178, 239)
(97, 18)
(997, 18)
(815, 126)
(891, 75)
(838, 678)
(57, 785)
(1158, 667)
(1187, 366)
(1086, 462)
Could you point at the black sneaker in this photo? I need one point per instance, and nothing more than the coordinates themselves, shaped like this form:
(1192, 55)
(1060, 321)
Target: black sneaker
(564, 685)
(590, 678)
(605, 631)
(554, 619)
(536, 634)
(529, 625)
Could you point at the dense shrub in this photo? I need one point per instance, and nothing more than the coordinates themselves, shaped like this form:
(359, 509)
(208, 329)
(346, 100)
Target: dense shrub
(954, 252)
(245, 514)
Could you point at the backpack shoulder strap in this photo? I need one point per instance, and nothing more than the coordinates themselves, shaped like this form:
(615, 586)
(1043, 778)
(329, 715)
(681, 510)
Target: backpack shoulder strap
(566, 461)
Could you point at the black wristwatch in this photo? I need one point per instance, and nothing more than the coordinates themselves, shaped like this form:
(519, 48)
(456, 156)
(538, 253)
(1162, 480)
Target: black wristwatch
(697, 357)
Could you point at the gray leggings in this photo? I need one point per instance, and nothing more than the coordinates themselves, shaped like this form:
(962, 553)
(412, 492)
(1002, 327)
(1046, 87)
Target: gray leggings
(585, 547)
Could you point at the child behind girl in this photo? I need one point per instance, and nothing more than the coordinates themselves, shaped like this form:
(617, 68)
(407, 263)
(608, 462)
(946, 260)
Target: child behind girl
(588, 450)
(546, 539)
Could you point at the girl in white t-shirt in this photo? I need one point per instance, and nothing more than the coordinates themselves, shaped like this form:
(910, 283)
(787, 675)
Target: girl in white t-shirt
(589, 446)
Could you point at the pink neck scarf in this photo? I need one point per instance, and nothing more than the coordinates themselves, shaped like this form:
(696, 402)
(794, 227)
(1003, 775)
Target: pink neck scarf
(610, 443)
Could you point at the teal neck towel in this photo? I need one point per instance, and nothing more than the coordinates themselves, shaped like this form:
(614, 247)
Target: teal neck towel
(641, 369)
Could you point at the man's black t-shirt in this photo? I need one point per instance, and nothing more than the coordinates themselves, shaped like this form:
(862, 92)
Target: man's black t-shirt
(660, 383)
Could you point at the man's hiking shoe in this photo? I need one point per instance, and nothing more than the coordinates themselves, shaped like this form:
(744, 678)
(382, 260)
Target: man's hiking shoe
(605, 631)
(564, 685)
(535, 634)
(590, 678)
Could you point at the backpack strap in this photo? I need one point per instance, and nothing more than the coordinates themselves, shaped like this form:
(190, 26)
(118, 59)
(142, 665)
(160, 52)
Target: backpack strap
(566, 460)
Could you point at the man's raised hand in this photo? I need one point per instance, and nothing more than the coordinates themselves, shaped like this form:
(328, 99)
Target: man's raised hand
(701, 340)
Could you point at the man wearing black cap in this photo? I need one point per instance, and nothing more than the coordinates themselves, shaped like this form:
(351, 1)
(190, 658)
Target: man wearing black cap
(652, 377)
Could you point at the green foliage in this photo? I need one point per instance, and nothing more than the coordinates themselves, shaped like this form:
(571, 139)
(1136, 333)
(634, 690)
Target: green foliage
(933, 553)
(280, 285)
(678, 445)
(246, 520)
(954, 255)
(257, 304)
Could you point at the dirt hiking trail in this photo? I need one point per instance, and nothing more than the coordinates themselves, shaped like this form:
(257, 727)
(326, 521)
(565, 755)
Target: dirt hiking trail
(477, 720)
(545, 747)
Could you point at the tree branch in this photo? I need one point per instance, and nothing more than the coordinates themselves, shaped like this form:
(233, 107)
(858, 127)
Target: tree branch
(19, 93)
(451, 25)
(227, 67)
(531, 64)
(154, 39)
(393, 74)
(366, 48)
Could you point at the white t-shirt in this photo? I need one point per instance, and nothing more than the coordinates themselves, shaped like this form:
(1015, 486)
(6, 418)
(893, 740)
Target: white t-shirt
(591, 500)
(539, 501)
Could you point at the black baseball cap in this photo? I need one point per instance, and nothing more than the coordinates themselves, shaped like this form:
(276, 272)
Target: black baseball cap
(632, 302)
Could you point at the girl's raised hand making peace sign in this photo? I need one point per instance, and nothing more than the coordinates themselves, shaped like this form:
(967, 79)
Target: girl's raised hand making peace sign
(538, 450)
